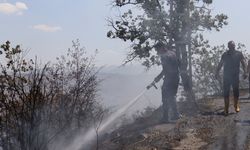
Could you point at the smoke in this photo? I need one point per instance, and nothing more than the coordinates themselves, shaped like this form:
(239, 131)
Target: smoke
(85, 139)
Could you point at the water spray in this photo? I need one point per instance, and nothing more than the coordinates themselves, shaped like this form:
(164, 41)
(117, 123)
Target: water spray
(85, 139)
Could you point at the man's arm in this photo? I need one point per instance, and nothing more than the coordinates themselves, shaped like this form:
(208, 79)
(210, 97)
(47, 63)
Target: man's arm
(243, 63)
(158, 78)
(248, 66)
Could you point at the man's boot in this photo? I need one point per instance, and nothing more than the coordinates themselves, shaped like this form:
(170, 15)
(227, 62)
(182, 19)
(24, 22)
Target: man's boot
(236, 104)
(226, 108)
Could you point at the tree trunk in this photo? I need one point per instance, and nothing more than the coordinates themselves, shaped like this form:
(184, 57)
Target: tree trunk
(186, 79)
(182, 39)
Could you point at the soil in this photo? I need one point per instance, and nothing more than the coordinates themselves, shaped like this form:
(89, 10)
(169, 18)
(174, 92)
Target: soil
(207, 130)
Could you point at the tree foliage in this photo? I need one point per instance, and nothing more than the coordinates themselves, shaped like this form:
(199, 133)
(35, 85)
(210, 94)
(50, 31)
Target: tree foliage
(170, 21)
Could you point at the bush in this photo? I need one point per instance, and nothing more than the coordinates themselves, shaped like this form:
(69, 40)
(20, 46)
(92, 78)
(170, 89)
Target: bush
(40, 103)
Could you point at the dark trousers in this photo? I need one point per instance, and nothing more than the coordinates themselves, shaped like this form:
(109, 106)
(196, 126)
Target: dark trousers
(169, 90)
(228, 82)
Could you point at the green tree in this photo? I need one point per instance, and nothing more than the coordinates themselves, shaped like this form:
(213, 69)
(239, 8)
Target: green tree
(174, 22)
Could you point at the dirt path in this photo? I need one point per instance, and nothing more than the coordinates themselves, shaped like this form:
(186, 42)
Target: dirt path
(237, 131)
(210, 130)
(213, 131)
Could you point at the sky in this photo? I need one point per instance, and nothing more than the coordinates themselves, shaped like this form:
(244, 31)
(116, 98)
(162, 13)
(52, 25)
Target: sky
(46, 28)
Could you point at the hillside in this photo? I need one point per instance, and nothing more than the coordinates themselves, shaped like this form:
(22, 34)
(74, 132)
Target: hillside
(209, 129)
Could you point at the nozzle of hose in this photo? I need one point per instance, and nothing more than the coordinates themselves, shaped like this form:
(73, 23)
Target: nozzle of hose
(152, 84)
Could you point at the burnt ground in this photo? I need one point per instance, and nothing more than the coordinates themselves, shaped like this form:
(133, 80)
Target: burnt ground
(209, 129)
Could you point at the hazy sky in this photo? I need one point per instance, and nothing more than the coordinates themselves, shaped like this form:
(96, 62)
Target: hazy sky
(47, 27)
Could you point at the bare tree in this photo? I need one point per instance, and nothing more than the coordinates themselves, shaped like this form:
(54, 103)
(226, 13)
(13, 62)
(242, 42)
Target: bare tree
(39, 103)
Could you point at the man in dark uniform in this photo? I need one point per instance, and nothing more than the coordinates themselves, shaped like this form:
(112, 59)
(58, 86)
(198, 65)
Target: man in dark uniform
(170, 72)
(231, 60)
